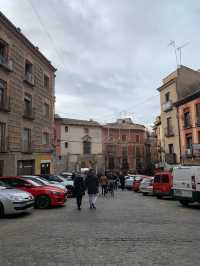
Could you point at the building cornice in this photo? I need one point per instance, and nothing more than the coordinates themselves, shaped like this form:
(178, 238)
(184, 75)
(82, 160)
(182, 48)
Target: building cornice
(17, 32)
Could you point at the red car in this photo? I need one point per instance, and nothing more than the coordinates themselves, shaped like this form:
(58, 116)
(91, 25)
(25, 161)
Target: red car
(45, 196)
(162, 185)
(136, 183)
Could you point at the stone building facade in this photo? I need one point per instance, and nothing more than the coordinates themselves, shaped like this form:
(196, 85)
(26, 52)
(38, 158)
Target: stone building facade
(26, 104)
(78, 145)
(176, 86)
(124, 146)
(189, 123)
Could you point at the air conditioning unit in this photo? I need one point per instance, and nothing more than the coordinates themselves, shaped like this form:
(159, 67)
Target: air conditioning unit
(188, 151)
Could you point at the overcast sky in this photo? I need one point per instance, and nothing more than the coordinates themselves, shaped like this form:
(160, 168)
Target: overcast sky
(111, 55)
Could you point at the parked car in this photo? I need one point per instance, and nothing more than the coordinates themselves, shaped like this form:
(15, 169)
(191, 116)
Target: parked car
(163, 183)
(146, 186)
(67, 182)
(186, 184)
(45, 182)
(14, 201)
(136, 182)
(66, 175)
(129, 181)
(45, 196)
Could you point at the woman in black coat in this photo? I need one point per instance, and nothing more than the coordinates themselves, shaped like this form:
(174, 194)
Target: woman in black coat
(92, 185)
(79, 190)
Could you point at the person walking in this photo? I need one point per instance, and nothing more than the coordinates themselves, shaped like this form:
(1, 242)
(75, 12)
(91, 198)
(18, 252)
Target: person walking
(92, 185)
(104, 184)
(122, 181)
(79, 190)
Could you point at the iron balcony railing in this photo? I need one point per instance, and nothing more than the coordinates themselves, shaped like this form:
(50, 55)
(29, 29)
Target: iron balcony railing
(167, 106)
(29, 113)
(169, 132)
(29, 78)
(6, 63)
(170, 158)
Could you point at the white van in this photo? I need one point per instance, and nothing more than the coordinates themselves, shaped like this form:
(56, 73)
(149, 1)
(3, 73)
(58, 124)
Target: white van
(186, 184)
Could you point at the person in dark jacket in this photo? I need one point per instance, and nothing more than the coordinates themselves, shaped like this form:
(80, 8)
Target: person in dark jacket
(92, 185)
(122, 181)
(79, 190)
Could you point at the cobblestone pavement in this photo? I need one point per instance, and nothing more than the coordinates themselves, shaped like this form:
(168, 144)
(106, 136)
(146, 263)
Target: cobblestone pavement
(128, 230)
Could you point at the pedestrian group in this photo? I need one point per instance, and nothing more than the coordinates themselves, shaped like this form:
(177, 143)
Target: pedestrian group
(91, 183)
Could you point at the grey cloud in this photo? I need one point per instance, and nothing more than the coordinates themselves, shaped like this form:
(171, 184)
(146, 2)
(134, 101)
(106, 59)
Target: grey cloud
(111, 55)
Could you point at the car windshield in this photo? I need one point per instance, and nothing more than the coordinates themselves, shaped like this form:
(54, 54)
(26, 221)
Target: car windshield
(37, 180)
(35, 183)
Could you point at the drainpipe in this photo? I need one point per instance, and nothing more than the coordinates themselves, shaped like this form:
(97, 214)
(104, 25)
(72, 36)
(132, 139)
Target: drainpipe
(179, 135)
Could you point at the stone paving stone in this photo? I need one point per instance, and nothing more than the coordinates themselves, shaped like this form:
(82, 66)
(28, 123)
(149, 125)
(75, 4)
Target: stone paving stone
(128, 230)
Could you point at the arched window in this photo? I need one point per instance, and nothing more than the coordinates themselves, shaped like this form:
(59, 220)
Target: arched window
(86, 147)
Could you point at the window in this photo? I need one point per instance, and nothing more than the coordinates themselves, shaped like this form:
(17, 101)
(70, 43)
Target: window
(123, 137)
(26, 139)
(188, 141)
(3, 50)
(165, 179)
(46, 110)
(157, 179)
(187, 119)
(171, 148)
(167, 97)
(137, 139)
(45, 138)
(27, 104)
(87, 147)
(86, 130)
(2, 136)
(28, 68)
(138, 153)
(46, 82)
(198, 114)
(66, 128)
(66, 145)
(125, 151)
(3, 89)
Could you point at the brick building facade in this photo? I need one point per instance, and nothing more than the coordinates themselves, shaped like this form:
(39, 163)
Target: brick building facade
(124, 146)
(26, 104)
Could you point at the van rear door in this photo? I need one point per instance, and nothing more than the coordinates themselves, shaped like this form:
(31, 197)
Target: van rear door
(165, 183)
(182, 182)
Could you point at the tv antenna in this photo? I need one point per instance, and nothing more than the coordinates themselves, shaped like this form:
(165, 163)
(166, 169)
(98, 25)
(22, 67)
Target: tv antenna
(179, 49)
(173, 44)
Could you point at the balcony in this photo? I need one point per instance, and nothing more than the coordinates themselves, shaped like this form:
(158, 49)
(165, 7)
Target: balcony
(169, 132)
(167, 106)
(27, 147)
(170, 158)
(198, 122)
(5, 104)
(29, 79)
(29, 114)
(188, 153)
(6, 63)
(187, 125)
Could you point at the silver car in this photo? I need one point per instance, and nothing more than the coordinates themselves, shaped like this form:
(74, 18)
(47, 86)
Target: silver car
(14, 201)
(146, 186)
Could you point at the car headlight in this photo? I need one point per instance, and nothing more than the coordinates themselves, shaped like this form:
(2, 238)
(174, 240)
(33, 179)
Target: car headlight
(57, 193)
(16, 198)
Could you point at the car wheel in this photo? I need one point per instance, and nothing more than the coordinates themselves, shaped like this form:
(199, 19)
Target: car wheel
(145, 193)
(1, 210)
(184, 202)
(42, 202)
(159, 197)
